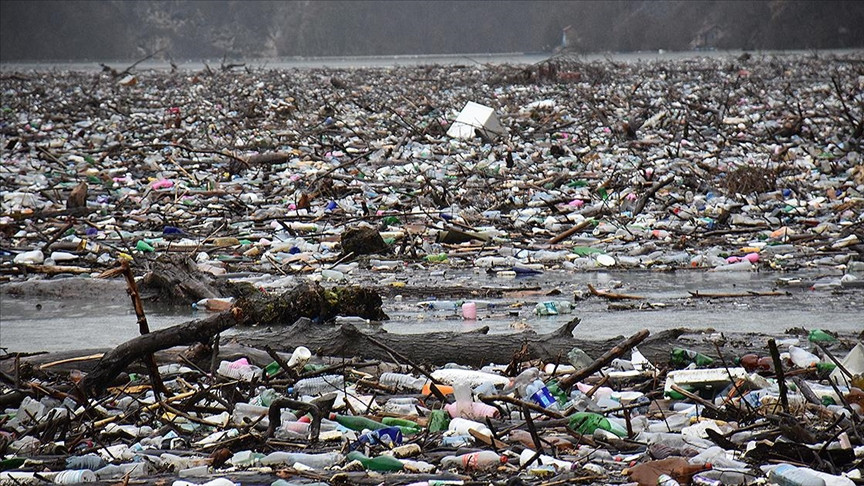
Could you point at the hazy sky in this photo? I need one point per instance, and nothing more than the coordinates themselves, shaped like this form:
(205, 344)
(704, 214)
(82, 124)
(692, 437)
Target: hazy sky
(114, 29)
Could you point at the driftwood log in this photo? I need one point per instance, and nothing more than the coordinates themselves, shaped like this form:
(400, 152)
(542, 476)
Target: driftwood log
(475, 348)
(116, 360)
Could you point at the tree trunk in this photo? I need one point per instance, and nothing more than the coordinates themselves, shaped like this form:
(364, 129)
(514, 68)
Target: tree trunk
(475, 348)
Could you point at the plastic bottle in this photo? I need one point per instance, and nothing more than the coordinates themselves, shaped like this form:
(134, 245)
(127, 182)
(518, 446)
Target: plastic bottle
(88, 461)
(438, 420)
(680, 357)
(320, 384)
(444, 389)
(357, 423)
(402, 381)
(789, 475)
(239, 370)
(134, 470)
(316, 461)
(75, 476)
(387, 436)
(379, 463)
(802, 358)
(461, 426)
(246, 411)
(587, 422)
(539, 394)
(543, 460)
(474, 461)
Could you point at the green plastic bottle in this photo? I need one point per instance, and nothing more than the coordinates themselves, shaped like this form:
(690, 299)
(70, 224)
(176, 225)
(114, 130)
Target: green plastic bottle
(557, 392)
(272, 368)
(378, 463)
(820, 336)
(438, 420)
(682, 357)
(358, 423)
(587, 422)
(406, 426)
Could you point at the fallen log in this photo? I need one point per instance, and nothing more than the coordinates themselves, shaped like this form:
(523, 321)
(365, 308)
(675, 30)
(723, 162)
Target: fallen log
(116, 360)
(475, 348)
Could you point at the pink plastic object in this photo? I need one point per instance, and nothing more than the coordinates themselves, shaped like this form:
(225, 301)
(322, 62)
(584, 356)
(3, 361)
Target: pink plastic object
(751, 257)
(469, 311)
(163, 184)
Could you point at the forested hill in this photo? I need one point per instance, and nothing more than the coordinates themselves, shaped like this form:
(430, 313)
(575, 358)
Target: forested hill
(122, 29)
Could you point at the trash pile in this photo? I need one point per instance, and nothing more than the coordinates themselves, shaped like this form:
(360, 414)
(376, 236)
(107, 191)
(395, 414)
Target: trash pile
(262, 197)
(729, 164)
(791, 416)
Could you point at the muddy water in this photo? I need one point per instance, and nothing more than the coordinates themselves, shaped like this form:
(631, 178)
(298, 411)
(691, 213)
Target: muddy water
(98, 314)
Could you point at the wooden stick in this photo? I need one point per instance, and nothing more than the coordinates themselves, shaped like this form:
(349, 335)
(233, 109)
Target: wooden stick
(618, 350)
(143, 328)
(71, 360)
(612, 295)
(725, 295)
(570, 232)
(778, 369)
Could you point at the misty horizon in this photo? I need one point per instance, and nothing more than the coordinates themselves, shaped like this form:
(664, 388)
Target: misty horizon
(231, 29)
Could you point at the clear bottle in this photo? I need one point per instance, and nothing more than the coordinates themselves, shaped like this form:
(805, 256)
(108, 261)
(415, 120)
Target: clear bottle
(402, 381)
(316, 461)
(802, 358)
(320, 384)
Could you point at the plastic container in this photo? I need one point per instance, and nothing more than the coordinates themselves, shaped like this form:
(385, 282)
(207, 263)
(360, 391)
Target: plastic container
(320, 384)
(543, 460)
(802, 358)
(469, 311)
(380, 463)
(299, 357)
(88, 461)
(789, 475)
(461, 426)
(315, 461)
(402, 382)
(75, 476)
(587, 422)
(475, 461)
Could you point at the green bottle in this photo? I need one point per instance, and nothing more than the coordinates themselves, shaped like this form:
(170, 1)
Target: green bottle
(438, 420)
(406, 426)
(144, 246)
(587, 422)
(378, 463)
(358, 423)
(820, 336)
(681, 357)
(272, 368)
(557, 392)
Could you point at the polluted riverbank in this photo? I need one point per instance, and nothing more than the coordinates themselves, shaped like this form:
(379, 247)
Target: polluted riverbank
(304, 210)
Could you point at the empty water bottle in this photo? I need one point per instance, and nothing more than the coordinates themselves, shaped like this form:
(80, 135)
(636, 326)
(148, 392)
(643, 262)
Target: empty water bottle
(402, 381)
(320, 384)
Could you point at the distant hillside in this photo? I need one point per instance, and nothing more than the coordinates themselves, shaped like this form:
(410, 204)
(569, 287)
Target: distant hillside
(121, 29)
